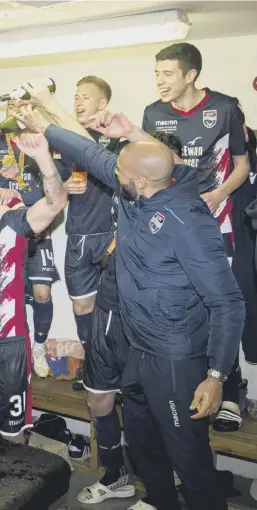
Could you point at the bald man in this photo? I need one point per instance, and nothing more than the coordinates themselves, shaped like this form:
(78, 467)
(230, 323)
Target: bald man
(181, 312)
(106, 355)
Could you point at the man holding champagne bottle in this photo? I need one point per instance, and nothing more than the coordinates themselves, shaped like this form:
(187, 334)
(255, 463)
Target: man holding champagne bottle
(88, 222)
(87, 211)
(21, 172)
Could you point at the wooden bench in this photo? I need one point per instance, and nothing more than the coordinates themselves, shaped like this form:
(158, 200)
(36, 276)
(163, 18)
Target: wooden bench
(241, 444)
(58, 397)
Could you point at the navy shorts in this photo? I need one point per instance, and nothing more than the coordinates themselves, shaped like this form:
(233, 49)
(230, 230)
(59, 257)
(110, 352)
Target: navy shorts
(15, 386)
(83, 263)
(106, 353)
(40, 266)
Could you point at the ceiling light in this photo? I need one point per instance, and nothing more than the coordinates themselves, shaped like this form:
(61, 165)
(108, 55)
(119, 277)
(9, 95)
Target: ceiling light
(120, 31)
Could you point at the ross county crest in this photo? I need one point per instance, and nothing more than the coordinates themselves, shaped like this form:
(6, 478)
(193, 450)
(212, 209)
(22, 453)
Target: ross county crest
(209, 118)
(104, 141)
(156, 222)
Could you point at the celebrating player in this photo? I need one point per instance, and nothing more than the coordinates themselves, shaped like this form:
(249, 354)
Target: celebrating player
(210, 126)
(89, 215)
(17, 223)
(21, 172)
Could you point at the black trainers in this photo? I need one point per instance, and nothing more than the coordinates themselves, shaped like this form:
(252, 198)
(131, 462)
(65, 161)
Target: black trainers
(228, 420)
(79, 448)
(77, 384)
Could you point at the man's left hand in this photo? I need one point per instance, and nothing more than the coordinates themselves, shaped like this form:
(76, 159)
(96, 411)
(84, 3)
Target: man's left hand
(207, 398)
(213, 199)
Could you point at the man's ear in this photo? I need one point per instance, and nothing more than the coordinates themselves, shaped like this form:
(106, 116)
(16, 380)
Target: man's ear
(141, 183)
(191, 76)
(102, 105)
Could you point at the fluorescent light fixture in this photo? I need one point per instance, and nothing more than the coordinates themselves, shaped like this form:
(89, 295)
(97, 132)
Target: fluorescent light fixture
(121, 31)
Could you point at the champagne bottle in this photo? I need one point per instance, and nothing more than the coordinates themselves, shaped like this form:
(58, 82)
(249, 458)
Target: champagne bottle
(21, 93)
(11, 125)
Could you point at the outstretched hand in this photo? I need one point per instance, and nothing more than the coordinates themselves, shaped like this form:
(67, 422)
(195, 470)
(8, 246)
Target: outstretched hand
(114, 125)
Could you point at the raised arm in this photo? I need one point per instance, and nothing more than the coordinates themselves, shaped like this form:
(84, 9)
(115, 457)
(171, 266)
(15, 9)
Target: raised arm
(43, 212)
(41, 98)
(117, 125)
(85, 153)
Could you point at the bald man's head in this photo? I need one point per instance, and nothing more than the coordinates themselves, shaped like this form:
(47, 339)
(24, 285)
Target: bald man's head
(144, 167)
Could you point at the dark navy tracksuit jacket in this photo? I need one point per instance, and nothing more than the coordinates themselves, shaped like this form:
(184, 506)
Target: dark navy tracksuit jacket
(177, 294)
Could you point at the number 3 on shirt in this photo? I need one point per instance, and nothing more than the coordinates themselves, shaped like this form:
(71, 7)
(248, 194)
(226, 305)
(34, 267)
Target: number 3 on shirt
(18, 405)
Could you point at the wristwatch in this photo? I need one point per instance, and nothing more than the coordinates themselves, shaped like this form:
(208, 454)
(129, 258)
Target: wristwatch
(217, 375)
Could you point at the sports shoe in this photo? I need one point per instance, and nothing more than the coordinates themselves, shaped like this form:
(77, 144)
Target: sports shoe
(40, 364)
(98, 493)
(141, 505)
(227, 420)
(79, 448)
(77, 384)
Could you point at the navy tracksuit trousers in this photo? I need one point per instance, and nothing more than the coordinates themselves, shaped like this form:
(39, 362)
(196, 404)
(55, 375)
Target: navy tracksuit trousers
(161, 435)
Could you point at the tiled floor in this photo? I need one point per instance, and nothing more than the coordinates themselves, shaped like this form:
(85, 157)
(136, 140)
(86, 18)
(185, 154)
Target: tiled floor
(80, 480)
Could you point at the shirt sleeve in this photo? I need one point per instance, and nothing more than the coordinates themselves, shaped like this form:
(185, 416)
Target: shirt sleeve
(200, 252)
(17, 220)
(145, 124)
(86, 154)
(238, 133)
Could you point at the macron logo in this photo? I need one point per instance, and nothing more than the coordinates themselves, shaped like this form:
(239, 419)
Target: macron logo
(166, 123)
(174, 413)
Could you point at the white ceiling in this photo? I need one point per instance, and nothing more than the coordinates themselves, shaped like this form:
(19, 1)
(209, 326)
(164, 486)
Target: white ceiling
(209, 19)
(33, 18)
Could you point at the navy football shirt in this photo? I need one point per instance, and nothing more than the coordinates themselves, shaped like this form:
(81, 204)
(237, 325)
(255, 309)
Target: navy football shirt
(90, 213)
(210, 133)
